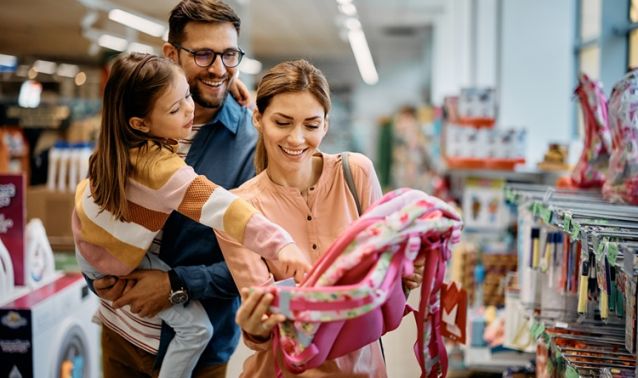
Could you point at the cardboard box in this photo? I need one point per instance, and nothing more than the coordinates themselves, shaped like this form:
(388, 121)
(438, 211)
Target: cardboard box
(54, 209)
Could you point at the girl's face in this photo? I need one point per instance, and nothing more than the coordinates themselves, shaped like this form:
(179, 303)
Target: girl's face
(292, 126)
(172, 114)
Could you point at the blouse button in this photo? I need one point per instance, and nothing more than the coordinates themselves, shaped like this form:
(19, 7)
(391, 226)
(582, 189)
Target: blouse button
(309, 218)
(314, 246)
(312, 188)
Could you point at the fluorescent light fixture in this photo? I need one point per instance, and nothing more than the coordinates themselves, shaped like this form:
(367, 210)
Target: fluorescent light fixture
(136, 22)
(344, 1)
(348, 9)
(112, 42)
(67, 70)
(45, 67)
(363, 57)
(140, 47)
(353, 23)
(250, 66)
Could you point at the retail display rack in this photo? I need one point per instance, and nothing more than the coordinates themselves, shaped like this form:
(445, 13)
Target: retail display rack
(578, 273)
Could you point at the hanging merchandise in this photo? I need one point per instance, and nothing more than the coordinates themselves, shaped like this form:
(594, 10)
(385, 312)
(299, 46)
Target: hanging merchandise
(587, 268)
(622, 176)
(589, 171)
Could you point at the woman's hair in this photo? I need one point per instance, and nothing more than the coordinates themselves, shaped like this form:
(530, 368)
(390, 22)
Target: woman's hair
(136, 81)
(292, 76)
(200, 11)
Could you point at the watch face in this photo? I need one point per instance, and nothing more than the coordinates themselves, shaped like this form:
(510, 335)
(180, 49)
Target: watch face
(178, 297)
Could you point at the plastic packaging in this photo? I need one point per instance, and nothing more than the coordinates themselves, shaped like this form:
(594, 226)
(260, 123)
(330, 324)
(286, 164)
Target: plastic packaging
(622, 177)
(591, 167)
(6, 273)
(40, 263)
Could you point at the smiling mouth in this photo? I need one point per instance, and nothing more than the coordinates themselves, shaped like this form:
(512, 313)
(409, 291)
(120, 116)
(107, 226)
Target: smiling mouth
(292, 152)
(213, 83)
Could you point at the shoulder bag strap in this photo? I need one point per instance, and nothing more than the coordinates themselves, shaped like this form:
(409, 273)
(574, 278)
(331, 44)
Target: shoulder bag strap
(347, 173)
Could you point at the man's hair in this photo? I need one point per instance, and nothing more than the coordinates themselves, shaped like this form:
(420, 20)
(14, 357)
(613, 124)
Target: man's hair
(199, 11)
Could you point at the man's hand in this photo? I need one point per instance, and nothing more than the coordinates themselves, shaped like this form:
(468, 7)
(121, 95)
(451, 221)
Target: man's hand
(111, 287)
(295, 262)
(149, 295)
(240, 92)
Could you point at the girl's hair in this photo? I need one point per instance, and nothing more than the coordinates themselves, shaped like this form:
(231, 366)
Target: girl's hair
(287, 77)
(199, 11)
(136, 81)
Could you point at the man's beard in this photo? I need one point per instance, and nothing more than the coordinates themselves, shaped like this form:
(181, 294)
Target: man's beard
(199, 100)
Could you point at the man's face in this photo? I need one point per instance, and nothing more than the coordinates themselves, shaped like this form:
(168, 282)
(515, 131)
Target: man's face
(208, 85)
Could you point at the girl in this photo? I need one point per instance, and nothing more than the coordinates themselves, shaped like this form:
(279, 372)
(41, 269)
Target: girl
(136, 180)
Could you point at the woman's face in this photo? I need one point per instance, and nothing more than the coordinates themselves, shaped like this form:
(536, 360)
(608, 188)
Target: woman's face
(292, 126)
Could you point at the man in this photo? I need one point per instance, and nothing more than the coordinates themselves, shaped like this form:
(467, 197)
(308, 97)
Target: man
(202, 39)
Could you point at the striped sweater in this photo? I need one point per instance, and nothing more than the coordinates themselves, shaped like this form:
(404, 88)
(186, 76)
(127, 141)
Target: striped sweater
(161, 182)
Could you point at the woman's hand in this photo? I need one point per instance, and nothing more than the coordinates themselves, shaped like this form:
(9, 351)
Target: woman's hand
(253, 316)
(295, 262)
(416, 278)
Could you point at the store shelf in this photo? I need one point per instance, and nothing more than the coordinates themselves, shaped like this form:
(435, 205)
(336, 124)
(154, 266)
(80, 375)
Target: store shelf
(602, 268)
(486, 360)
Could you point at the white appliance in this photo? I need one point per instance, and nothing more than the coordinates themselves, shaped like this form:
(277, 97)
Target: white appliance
(48, 333)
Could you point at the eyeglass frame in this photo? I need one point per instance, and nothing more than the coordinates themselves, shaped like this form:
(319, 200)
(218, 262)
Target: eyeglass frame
(196, 53)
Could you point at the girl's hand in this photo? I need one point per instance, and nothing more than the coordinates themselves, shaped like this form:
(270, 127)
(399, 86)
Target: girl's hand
(240, 92)
(294, 261)
(253, 317)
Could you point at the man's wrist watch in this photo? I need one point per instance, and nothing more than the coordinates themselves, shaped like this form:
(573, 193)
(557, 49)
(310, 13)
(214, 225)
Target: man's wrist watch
(178, 293)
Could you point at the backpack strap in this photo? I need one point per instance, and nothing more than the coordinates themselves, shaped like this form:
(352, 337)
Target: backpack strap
(347, 173)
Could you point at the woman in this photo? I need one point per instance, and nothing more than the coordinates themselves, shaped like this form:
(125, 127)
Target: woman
(303, 190)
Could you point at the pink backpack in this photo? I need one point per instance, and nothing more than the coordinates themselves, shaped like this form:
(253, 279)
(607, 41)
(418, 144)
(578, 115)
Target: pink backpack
(353, 294)
(589, 171)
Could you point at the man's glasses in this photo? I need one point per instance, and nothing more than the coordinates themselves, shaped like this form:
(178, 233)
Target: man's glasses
(205, 57)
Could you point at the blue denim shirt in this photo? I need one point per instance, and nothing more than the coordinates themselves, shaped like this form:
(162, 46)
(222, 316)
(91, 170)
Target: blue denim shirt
(223, 151)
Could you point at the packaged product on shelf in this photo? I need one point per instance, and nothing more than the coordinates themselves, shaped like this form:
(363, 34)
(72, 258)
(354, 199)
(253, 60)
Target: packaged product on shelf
(592, 164)
(622, 176)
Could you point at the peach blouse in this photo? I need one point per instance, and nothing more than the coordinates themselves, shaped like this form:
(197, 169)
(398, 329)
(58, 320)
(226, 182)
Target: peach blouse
(314, 223)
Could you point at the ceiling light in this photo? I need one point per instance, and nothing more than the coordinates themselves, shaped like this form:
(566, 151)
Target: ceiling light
(348, 9)
(67, 70)
(80, 78)
(250, 66)
(45, 67)
(353, 23)
(140, 47)
(344, 1)
(363, 56)
(112, 42)
(136, 22)
(32, 73)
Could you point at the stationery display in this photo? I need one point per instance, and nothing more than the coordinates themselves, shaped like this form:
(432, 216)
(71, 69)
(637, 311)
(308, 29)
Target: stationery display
(578, 280)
